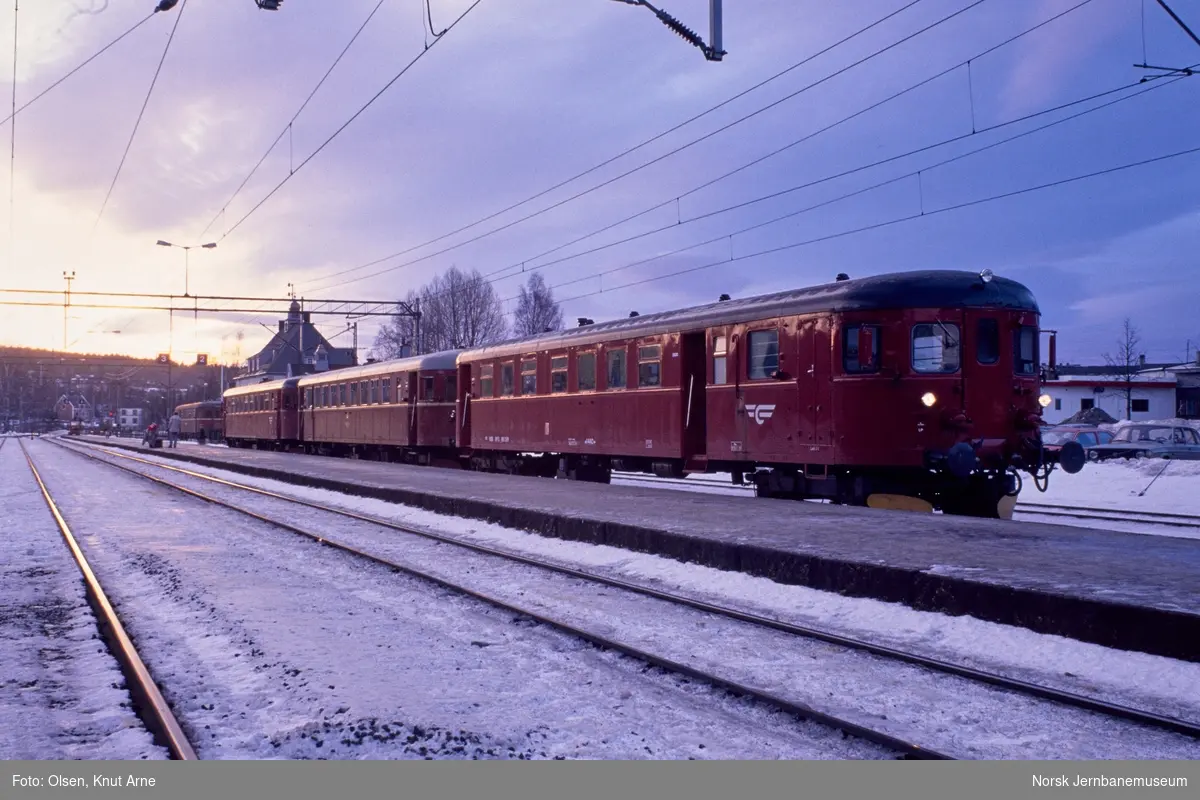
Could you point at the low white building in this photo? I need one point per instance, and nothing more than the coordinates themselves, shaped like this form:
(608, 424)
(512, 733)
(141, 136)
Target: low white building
(1153, 396)
(131, 417)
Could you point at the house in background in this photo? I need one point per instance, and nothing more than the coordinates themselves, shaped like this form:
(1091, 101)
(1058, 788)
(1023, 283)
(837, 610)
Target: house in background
(1079, 388)
(297, 348)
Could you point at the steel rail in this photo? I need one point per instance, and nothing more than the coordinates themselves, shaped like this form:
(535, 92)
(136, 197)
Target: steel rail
(1172, 724)
(153, 709)
(800, 710)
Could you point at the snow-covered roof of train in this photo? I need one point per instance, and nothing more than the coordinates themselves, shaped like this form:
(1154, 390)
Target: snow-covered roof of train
(923, 289)
(443, 360)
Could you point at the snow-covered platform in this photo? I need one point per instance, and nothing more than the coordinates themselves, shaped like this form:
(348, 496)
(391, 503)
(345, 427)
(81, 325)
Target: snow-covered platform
(1121, 590)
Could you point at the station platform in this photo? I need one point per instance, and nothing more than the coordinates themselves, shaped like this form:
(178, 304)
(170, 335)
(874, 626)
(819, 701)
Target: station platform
(1122, 590)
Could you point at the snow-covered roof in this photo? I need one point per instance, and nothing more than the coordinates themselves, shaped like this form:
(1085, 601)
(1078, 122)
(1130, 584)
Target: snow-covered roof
(432, 361)
(923, 289)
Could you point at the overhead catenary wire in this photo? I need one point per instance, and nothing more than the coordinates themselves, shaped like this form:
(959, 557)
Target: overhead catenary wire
(635, 148)
(854, 170)
(896, 221)
(859, 62)
(807, 137)
(350, 121)
(141, 114)
(287, 129)
(83, 64)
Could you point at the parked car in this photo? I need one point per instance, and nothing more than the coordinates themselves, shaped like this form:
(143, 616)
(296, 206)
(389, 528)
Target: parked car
(1150, 441)
(1054, 438)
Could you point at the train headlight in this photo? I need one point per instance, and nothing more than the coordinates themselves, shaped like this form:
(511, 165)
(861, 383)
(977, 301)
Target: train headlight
(929, 398)
(986, 276)
(1044, 401)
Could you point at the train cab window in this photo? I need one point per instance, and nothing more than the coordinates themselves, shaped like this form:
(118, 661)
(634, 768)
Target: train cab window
(558, 375)
(529, 377)
(485, 380)
(585, 370)
(385, 396)
(935, 347)
(451, 390)
(1025, 350)
(427, 389)
(987, 345)
(506, 379)
(860, 349)
(720, 353)
(616, 369)
(763, 359)
(650, 366)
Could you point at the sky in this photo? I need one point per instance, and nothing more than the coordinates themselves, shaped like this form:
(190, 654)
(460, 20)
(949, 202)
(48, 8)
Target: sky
(522, 95)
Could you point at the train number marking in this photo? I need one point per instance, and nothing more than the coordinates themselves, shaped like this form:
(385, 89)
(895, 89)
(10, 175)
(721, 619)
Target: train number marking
(760, 413)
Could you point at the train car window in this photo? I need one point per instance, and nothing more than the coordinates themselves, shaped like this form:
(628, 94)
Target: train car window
(935, 347)
(763, 360)
(860, 349)
(529, 377)
(375, 392)
(987, 348)
(451, 388)
(354, 394)
(402, 388)
(558, 375)
(427, 388)
(1025, 347)
(485, 380)
(585, 369)
(720, 353)
(506, 379)
(386, 397)
(650, 366)
(364, 388)
(616, 369)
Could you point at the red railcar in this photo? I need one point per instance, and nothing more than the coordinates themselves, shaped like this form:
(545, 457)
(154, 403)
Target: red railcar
(401, 410)
(203, 416)
(915, 389)
(264, 416)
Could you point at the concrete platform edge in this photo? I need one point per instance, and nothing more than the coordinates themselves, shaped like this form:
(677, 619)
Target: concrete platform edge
(1155, 631)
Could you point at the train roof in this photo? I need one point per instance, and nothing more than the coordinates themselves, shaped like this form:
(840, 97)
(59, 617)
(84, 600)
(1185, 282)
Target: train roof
(199, 404)
(921, 289)
(255, 388)
(443, 360)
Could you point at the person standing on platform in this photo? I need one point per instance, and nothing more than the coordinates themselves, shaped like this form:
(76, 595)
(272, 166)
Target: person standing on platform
(173, 426)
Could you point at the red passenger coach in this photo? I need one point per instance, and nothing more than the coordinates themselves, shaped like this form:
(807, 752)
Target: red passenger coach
(264, 416)
(203, 416)
(911, 390)
(401, 410)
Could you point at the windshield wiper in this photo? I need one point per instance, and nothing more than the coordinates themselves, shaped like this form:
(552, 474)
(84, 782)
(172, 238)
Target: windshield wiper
(953, 342)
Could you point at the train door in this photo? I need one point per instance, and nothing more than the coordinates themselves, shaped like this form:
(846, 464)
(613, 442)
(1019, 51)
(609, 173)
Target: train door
(807, 378)
(462, 407)
(414, 397)
(693, 348)
(766, 391)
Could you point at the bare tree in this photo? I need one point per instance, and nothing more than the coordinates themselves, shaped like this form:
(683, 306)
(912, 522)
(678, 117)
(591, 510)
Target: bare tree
(1125, 363)
(458, 310)
(536, 310)
(397, 336)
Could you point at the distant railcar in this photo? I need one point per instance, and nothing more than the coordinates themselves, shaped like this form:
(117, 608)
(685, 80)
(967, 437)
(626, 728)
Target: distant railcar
(398, 410)
(263, 416)
(203, 416)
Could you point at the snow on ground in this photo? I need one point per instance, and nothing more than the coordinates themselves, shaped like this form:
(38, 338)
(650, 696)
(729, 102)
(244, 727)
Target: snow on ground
(62, 695)
(1164, 685)
(269, 647)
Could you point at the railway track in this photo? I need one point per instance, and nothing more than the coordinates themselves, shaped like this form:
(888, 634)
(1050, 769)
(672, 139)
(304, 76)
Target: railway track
(909, 749)
(149, 704)
(1129, 516)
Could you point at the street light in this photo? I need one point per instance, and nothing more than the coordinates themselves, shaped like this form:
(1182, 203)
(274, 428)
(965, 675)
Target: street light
(186, 249)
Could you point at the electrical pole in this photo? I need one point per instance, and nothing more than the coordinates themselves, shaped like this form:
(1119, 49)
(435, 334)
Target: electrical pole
(66, 304)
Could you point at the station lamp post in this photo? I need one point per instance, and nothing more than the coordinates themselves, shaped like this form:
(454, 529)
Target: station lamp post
(186, 250)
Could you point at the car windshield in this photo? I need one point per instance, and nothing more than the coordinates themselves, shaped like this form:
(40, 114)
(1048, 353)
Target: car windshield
(1144, 433)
